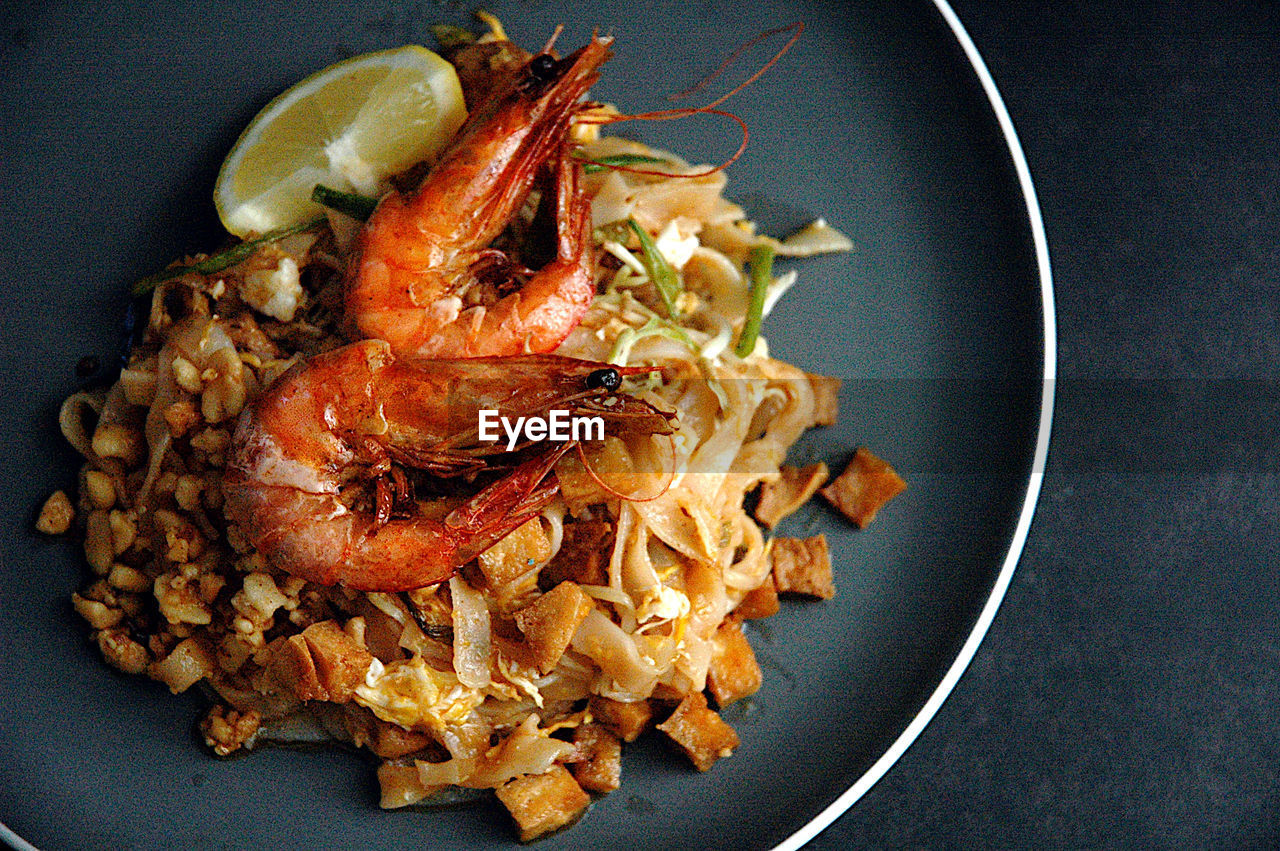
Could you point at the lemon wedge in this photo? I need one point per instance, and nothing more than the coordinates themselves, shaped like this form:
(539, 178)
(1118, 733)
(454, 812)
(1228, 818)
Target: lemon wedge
(348, 126)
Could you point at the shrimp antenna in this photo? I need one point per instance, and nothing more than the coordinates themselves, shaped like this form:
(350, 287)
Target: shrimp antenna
(798, 26)
(582, 456)
(552, 41)
(708, 109)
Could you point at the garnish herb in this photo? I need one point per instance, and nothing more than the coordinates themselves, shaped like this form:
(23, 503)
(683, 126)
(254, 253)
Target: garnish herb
(761, 276)
(658, 269)
(596, 165)
(358, 207)
(223, 259)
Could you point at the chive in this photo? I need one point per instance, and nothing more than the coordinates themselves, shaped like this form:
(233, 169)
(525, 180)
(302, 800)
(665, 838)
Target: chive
(660, 271)
(593, 166)
(223, 259)
(451, 37)
(761, 276)
(359, 207)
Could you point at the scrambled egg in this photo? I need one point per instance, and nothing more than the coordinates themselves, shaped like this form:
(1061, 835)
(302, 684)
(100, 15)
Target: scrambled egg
(410, 693)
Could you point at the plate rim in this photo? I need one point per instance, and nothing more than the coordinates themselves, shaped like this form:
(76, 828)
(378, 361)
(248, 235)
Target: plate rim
(1018, 541)
(907, 737)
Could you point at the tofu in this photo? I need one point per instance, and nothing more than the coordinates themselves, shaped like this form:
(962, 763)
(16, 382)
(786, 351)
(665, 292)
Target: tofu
(826, 399)
(760, 602)
(625, 720)
(793, 489)
(600, 766)
(734, 672)
(864, 487)
(549, 622)
(803, 566)
(542, 803)
(700, 732)
(320, 663)
(583, 556)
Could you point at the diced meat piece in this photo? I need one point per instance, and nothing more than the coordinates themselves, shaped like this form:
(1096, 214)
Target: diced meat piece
(864, 487)
(626, 720)
(700, 731)
(826, 399)
(541, 803)
(549, 622)
(803, 566)
(792, 489)
(600, 768)
(734, 672)
(583, 556)
(320, 663)
(761, 602)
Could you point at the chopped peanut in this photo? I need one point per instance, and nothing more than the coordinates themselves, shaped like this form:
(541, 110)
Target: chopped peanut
(56, 514)
(700, 731)
(793, 489)
(803, 566)
(541, 803)
(864, 487)
(226, 730)
(549, 622)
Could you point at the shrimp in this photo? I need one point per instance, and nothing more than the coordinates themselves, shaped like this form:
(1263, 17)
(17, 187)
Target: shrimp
(357, 415)
(420, 255)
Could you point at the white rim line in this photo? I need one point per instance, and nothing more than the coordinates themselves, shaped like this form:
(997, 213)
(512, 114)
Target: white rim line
(922, 719)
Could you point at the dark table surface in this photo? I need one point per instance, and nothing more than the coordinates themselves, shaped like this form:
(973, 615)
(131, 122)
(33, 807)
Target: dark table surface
(1126, 695)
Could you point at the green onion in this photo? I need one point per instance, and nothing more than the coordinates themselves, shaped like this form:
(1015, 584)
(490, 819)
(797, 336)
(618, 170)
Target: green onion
(223, 259)
(596, 165)
(359, 207)
(761, 277)
(450, 36)
(660, 271)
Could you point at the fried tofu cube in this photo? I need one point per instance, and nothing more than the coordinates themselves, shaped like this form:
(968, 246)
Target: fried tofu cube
(864, 487)
(793, 489)
(541, 803)
(760, 602)
(700, 731)
(340, 662)
(320, 663)
(549, 622)
(734, 672)
(803, 566)
(826, 399)
(583, 556)
(626, 720)
(600, 768)
(519, 553)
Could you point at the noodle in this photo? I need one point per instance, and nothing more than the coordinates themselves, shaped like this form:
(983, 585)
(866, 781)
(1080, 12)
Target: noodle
(438, 682)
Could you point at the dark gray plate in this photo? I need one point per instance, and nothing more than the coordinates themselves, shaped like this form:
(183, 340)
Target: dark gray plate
(941, 323)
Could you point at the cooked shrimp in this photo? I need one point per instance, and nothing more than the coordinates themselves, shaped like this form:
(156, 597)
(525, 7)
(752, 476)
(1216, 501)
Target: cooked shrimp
(420, 256)
(359, 415)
